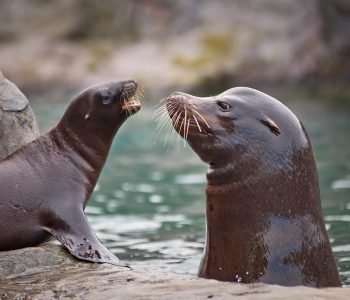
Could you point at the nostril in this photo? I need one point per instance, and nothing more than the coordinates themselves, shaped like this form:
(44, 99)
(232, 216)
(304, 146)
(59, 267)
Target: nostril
(130, 84)
(176, 94)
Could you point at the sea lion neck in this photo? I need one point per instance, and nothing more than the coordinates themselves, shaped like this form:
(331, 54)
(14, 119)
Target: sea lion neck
(234, 169)
(80, 154)
(255, 228)
(221, 173)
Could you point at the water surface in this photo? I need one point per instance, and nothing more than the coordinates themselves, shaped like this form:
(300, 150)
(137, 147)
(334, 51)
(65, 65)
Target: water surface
(148, 206)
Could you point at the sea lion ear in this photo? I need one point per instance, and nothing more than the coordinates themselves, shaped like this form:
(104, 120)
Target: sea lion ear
(272, 125)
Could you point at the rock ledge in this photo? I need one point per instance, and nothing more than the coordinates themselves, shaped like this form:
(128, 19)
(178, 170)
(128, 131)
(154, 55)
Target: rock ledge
(48, 271)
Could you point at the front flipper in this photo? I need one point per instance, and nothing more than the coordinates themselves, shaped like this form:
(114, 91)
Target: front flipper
(75, 233)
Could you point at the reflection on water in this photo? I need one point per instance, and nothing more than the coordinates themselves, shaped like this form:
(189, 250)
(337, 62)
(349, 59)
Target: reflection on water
(148, 206)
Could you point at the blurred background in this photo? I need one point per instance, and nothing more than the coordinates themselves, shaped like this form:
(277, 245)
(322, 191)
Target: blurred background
(148, 206)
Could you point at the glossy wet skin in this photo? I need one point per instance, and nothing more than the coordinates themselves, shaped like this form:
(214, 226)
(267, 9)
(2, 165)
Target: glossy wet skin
(45, 186)
(264, 218)
(104, 104)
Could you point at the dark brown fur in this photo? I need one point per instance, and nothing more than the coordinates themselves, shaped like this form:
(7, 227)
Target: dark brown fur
(45, 186)
(264, 217)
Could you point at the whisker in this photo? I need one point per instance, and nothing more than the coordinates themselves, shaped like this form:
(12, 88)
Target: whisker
(201, 117)
(139, 97)
(177, 119)
(188, 126)
(176, 116)
(169, 129)
(158, 111)
(179, 132)
(199, 128)
(170, 109)
(166, 114)
(141, 92)
(181, 125)
(161, 110)
(163, 123)
(132, 97)
(160, 129)
(161, 117)
(161, 102)
(185, 122)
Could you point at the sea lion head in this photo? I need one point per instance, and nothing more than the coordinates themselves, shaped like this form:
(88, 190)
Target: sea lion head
(96, 114)
(238, 124)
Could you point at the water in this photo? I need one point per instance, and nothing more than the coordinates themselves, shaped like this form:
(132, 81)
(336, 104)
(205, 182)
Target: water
(148, 206)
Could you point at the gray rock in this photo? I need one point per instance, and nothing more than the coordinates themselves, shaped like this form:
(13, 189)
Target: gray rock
(48, 271)
(18, 125)
(11, 98)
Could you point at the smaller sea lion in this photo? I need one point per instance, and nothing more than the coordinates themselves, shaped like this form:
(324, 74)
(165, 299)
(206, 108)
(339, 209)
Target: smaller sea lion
(263, 210)
(45, 185)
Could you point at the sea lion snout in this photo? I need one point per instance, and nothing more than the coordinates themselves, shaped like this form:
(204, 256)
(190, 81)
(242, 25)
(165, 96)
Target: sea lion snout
(178, 95)
(177, 100)
(125, 95)
(131, 97)
(129, 85)
(186, 115)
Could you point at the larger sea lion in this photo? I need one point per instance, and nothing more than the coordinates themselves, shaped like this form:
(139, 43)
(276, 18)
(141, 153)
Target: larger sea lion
(263, 210)
(45, 186)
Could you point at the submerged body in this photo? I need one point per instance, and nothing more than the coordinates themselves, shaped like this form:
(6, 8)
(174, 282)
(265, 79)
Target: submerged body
(263, 210)
(45, 186)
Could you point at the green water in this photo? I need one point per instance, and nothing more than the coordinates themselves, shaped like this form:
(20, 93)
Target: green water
(148, 206)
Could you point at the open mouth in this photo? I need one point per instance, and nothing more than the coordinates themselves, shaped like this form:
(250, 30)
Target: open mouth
(132, 96)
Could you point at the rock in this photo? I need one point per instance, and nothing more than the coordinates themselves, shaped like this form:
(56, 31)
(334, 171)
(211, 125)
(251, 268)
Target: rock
(11, 98)
(48, 271)
(18, 125)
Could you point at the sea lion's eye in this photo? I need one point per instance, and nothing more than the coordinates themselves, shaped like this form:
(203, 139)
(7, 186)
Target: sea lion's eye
(106, 98)
(223, 106)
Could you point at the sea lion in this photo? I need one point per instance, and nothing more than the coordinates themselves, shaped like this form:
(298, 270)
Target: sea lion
(263, 210)
(45, 185)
